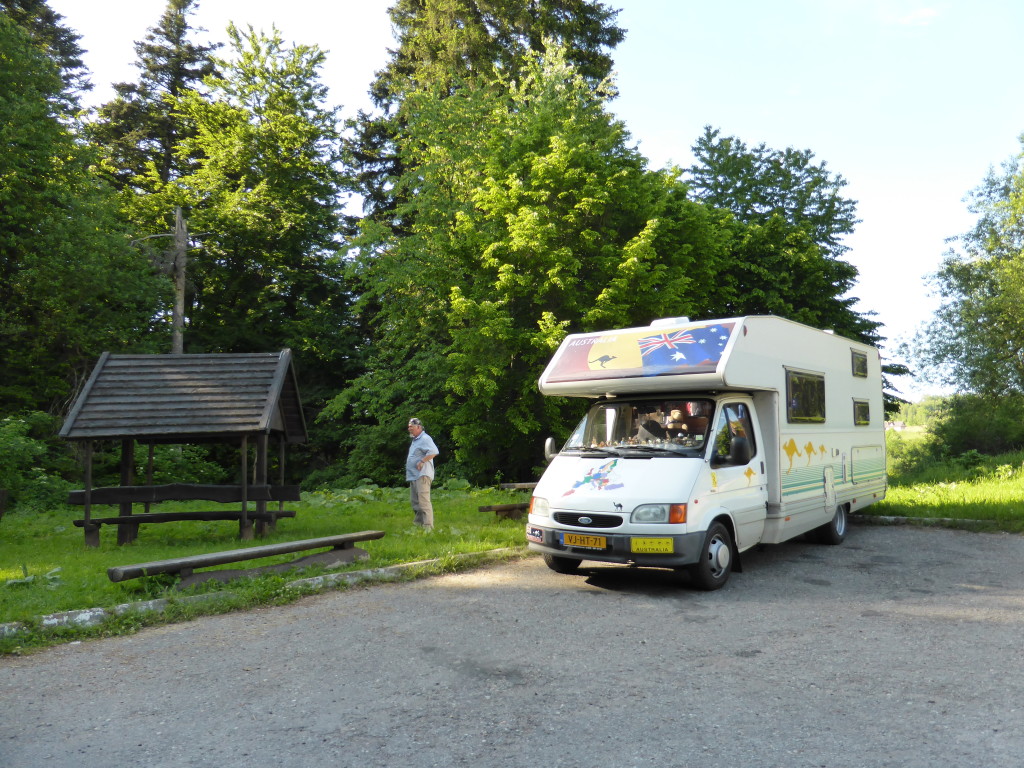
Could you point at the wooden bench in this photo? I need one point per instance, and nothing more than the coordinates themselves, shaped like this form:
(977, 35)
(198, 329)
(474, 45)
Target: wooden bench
(510, 511)
(128, 522)
(341, 552)
(507, 511)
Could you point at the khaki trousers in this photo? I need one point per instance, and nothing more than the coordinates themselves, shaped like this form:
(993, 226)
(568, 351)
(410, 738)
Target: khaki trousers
(419, 495)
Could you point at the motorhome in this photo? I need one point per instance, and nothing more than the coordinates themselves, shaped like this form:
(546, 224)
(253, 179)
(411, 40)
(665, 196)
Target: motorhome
(705, 439)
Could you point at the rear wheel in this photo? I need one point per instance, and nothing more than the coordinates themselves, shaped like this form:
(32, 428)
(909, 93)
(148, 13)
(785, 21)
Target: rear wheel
(834, 531)
(562, 564)
(715, 564)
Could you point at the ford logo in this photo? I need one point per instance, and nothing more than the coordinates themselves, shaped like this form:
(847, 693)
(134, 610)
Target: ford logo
(584, 520)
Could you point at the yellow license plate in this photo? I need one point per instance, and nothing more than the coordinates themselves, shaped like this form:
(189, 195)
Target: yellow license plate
(659, 546)
(584, 541)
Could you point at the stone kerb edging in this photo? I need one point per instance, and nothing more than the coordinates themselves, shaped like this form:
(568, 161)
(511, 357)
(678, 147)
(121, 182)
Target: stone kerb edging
(89, 617)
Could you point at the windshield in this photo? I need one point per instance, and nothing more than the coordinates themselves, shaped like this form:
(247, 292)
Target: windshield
(638, 427)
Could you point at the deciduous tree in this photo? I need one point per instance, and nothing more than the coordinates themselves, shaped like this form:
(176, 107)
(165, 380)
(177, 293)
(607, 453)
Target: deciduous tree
(975, 341)
(530, 216)
(445, 42)
(792, 218)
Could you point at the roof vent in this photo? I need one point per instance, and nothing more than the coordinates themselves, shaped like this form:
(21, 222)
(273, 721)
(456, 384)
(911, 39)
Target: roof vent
(669, 321)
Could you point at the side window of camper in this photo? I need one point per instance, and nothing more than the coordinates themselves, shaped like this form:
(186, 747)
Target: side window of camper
(859, 363)
(734, 422)
(805, 397)
(861, 412)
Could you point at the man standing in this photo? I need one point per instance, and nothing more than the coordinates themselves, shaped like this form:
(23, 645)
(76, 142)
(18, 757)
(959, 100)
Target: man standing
(419, 471)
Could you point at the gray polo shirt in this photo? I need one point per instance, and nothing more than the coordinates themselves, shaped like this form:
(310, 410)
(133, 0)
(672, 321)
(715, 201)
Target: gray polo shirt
(420, 446)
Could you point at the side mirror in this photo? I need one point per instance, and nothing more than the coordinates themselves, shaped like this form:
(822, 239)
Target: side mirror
(739, 454)
(739, 451)
(550, 449)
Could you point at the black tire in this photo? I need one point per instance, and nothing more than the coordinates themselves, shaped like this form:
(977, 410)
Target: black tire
(834, 531)
(562, 564)
(716, 560)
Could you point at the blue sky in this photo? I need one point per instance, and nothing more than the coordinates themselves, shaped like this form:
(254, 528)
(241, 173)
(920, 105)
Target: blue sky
(911, 101)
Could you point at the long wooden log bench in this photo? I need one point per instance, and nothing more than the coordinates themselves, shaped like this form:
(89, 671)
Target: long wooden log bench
(128, 522)
(342, 551)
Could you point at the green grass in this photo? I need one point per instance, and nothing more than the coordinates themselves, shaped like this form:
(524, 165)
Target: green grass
(986, 492)
(46, 568)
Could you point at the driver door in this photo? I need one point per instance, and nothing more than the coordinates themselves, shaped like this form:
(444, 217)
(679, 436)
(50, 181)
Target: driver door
(737, 486)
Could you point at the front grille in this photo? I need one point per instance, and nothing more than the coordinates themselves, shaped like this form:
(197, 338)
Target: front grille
(596, 521)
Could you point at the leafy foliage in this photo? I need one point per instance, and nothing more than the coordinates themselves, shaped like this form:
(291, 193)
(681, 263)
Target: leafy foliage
(529, 216)
(31, 461)
(57, 42)
(976, 339)
(70, 287)
(443, 43)
(789, 247)
(986, 424)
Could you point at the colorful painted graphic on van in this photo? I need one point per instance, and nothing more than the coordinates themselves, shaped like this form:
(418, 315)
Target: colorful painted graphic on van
(644, 352)
(598, 479)
(805, 473)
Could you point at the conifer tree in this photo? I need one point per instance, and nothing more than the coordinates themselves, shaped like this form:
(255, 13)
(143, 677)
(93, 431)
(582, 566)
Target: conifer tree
(444, 42)
(138, 129)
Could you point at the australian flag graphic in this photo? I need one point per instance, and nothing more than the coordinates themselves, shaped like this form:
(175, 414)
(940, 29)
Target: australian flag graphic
(689, 350)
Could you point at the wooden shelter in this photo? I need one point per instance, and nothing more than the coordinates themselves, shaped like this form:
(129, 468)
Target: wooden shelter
(246, 400)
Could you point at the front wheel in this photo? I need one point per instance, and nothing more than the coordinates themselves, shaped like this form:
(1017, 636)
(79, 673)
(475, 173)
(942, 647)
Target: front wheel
(715, 564)
(834, 531)
(562, 564)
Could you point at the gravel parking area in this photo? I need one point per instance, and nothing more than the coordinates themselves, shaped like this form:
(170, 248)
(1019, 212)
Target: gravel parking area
(901, 647)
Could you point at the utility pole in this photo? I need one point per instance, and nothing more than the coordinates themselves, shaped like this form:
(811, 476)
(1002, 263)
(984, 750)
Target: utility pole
(180, 261)
(176, 268)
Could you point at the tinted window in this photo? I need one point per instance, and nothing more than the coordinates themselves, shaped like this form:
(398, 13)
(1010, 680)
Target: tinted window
(733, 422)
(861, 412)
(859, 361)
(805, 397)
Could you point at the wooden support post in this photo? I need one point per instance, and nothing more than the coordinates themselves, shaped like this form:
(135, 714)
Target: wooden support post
(149, 472)
(245, 531)
(280, 471)
(126, 532)
(262, 524)
(92, 532)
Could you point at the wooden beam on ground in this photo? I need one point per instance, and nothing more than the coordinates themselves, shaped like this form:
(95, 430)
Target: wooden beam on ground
(185, 565)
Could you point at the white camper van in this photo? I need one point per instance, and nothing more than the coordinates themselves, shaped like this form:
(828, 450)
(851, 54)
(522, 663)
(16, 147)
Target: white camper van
(706, 438)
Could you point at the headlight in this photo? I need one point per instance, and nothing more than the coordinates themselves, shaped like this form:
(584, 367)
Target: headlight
(540, 507)
(659, 513)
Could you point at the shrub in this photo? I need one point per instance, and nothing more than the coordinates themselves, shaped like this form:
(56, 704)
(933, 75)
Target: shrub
(32, 461)
(909, 456)
(981, 424)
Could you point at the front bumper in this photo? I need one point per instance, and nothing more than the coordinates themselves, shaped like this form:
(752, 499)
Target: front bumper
(685, 547)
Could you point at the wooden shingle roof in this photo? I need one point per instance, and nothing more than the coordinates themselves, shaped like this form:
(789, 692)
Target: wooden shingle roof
(182, 398)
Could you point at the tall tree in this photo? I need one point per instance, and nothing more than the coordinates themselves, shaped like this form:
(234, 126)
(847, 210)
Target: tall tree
(445, 42)
(139, 129)
(70, 287)
(530, 217)
(793, 217)
(59, 43)
(976, 339)
(263, 199)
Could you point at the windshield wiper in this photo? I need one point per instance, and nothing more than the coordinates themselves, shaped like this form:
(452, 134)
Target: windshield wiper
(584, 451)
